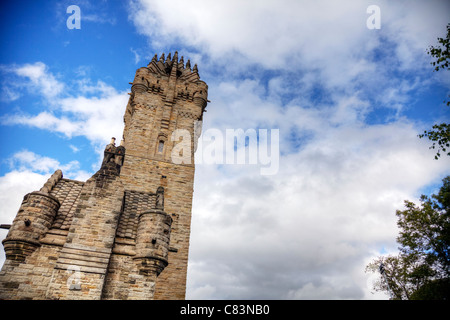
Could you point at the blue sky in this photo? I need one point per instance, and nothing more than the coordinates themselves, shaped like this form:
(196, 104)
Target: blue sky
(36, 32)
(348, 101)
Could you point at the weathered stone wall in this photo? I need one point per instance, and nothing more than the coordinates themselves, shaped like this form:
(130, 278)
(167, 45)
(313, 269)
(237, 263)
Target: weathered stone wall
(124, 233)
(29, 279)
(124, 282)
(90, 240)
(160, 104)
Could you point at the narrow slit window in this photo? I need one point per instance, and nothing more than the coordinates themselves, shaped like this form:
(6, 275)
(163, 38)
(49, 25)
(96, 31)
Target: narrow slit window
(160, 146)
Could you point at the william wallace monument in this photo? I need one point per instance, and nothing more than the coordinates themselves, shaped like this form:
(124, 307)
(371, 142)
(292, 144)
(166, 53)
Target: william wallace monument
(124, 233)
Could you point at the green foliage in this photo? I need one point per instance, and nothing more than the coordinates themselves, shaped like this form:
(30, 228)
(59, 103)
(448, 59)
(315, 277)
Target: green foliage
(440, 134)
(442, 54)
(424, 231)
(421, 270)
(424, 256)
(434, 290)
(395, 279)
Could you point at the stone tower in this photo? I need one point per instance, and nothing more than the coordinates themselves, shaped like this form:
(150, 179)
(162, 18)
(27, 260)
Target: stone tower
(124, 233)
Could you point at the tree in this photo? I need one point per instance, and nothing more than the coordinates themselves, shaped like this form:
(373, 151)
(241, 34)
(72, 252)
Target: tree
(442, 54)
(440, 133)
(421, 270)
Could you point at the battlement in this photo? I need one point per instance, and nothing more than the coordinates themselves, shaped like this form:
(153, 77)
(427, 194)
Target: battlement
(166, 89)
(172, 66)
(170, 78)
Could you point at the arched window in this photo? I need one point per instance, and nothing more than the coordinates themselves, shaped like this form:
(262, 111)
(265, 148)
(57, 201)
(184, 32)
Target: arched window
(160, 141)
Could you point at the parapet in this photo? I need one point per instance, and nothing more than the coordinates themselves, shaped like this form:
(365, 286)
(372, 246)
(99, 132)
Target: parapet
(167, 66)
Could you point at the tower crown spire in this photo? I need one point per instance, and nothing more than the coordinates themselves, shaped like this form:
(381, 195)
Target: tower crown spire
(175, 56)
(175, 91)
(164, 67)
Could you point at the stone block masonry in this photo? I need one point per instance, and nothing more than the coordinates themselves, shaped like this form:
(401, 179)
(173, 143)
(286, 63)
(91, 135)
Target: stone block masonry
(124, 233)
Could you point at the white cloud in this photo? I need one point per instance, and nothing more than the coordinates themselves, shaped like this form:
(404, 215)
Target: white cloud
(75, 149)
(137, 56)
(282, 33)
(95, 111)
(37, 79)
(27, 161)
(98, 119)
(40, 79)
(9, 94)
(99, 19)
(13, 187)
(308, 231)
(44, 120)
(326, 43)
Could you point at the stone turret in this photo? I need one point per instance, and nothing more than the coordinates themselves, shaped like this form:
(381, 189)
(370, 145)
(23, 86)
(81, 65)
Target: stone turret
(35, 217)
(153, 237)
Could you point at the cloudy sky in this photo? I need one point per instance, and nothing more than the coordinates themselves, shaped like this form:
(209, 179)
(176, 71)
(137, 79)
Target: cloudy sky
(348, 101)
